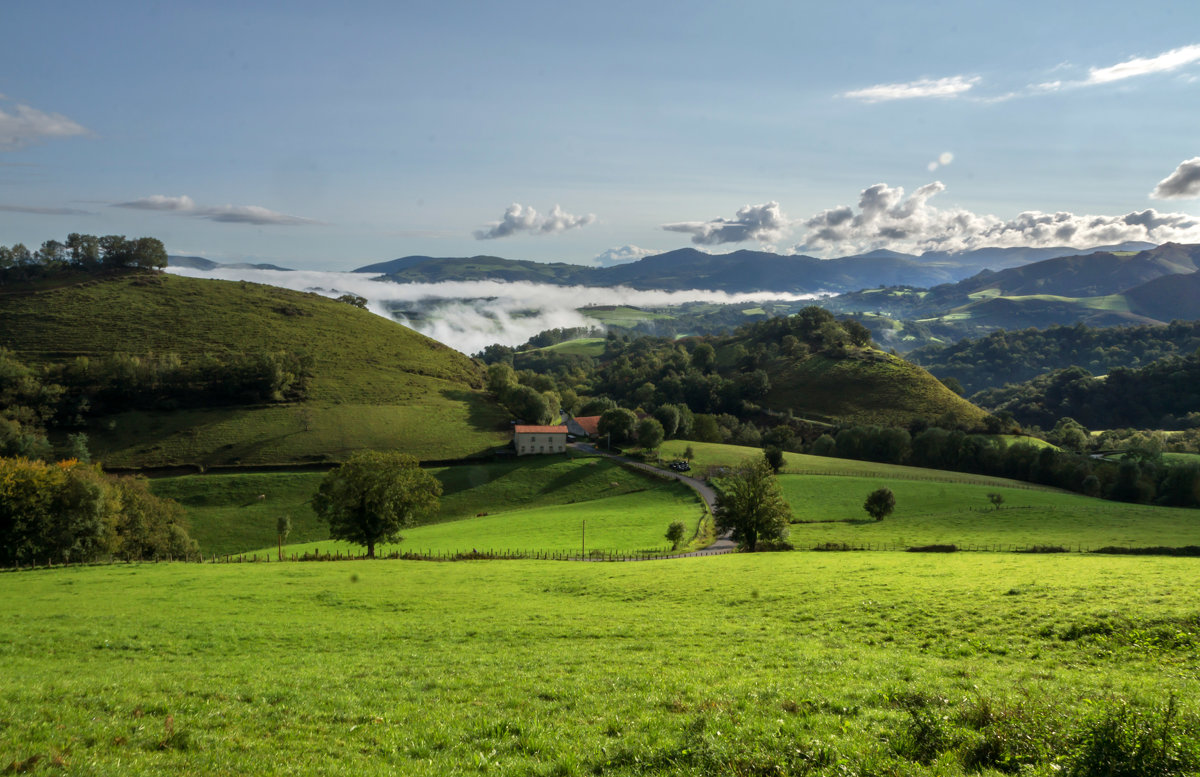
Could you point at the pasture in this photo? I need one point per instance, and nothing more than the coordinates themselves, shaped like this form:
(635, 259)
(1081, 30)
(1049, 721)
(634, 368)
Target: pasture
(821, 664)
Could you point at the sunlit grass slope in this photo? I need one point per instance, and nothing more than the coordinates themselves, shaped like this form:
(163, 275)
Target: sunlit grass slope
(869, 387)
(227, 516)
(767, 664)
(376, 384)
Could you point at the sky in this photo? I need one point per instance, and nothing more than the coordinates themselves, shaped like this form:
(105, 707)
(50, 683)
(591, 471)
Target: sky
(329, 136)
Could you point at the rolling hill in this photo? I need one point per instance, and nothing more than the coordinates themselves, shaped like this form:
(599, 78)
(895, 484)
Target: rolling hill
(374, 383)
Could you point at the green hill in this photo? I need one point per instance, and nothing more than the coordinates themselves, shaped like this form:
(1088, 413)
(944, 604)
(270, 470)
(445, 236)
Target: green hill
(374, 384)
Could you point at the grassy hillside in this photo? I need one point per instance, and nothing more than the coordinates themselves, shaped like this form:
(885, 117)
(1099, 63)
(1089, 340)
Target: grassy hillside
(375, 384)
(868, 387)
(841, 663)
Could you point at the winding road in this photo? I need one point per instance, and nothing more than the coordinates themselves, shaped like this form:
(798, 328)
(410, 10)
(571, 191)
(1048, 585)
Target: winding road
(723, 544)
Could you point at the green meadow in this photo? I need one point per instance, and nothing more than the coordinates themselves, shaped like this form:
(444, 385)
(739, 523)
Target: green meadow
(789, 664)
(529, 503)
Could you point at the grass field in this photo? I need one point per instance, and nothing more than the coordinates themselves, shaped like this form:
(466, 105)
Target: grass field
(621, 315)
(584, 346)
(831, 664)
(961, 514)
(226, 515)
(718, 455)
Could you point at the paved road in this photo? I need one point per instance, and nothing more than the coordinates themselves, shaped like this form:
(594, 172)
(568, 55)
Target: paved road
(723, 544)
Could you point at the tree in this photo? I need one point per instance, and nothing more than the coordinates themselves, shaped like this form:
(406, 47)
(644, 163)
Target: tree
(675, 533)
(751, 504)
(774, 457)
(371, 497)
(283, 527)
(996, 499)
(617, 422)
(649, 433)
(880, 503)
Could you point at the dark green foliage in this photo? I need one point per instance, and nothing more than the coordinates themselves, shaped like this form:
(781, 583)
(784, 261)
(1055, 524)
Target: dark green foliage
(618, 424)
(774, 457)
(1125, 741)
(932, 549)
(675, 533)
(371, 497)
(81, 253)
(1020, 355)
(1161, 395)
(649, 433)
(751, 504)
(880, 503)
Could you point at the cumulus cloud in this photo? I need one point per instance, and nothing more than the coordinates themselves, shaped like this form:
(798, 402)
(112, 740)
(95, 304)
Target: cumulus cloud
(765, 223)
(952, 86)
(469, 315)
(45, 211)
(519, 218)
(623, 255)
(1183, 184)
(26, 125)
(887, 219)
(229, 214)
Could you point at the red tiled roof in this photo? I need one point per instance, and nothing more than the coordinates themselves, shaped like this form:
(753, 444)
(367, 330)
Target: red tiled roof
(519, 429)
(589, 423)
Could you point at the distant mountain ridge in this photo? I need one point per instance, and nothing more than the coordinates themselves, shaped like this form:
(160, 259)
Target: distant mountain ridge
(200, 263)
(739, 271)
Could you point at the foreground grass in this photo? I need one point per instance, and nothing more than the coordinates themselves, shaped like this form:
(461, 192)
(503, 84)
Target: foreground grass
(772, 664)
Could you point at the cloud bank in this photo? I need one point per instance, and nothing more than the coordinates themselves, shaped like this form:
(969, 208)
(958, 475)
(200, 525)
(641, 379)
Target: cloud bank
(1183, 184)
(952, 86)
(764, 223)
(519, 218)
(887, 219)
(26, 125)
(469, 315)
(229, 214)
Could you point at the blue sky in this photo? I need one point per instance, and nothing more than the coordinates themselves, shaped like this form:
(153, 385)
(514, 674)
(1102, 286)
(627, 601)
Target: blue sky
(329, 136)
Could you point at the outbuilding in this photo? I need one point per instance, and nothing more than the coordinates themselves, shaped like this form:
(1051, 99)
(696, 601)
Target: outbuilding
(539, 439)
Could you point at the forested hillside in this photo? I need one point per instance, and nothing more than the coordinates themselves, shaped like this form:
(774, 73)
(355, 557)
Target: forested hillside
(1018, 355)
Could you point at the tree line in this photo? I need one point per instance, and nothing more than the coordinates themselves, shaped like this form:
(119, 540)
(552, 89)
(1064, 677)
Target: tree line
(87, 253)
(66, 396)
(70, 512)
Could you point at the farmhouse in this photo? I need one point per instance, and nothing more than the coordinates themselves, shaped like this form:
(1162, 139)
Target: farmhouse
(584, 426)
(539, 439)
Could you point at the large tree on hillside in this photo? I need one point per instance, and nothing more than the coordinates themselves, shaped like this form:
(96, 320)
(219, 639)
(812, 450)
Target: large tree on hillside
(750, 502)
(371, 497)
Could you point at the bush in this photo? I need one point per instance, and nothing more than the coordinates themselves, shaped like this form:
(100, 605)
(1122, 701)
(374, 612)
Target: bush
(1128, 742)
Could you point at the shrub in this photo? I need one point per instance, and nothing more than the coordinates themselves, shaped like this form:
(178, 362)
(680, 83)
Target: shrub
(1129, 742)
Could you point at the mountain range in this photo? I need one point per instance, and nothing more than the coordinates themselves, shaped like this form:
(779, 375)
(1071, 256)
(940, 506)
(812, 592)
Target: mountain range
(739, 271)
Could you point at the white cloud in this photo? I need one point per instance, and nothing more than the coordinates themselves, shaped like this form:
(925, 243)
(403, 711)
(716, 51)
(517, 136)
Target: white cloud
(953, 86)
(886, 219)
(1183, 184)
(765, 223)
(519, 218)
(229, 214)
(26, 125)
(1140, 66)
(623, 255)
(469, 315)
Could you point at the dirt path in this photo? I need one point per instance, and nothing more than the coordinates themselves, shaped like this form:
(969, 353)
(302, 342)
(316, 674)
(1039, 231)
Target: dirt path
(723, 544)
